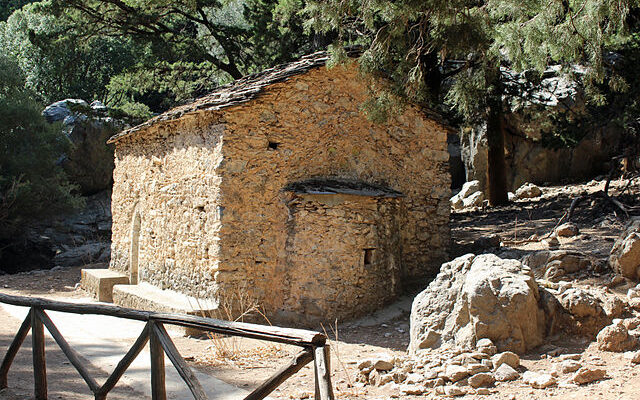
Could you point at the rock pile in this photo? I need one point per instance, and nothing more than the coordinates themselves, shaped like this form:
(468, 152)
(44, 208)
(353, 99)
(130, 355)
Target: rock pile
(553, 265)
(453, 371)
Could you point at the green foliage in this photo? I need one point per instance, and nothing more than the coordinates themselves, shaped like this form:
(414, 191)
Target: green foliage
(453, 50)
(57, 64)
(9, 6)
(31, 184)
(141, 56)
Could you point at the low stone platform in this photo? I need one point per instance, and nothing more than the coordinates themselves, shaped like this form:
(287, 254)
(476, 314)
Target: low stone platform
(100, 282)
(145, 296)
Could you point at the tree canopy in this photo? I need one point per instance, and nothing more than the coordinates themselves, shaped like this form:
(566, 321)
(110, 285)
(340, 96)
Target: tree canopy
(457, 51)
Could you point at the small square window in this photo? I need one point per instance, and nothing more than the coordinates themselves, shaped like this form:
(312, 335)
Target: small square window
(368, 256)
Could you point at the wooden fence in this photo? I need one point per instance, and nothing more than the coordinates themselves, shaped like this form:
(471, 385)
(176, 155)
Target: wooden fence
(314, 348)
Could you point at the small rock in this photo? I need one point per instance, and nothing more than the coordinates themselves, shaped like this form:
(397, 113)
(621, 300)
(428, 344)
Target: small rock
(468, 188)
(456, 202)
(479, 356)
(455, 372)
(567, 229)
(477, 368)
(633, 356)
(568, 366)
(383, 362)
(575, 357)
(486, 346)
(453, 391)
(505, 373)
(588, 375)
(506, 357)
(527, 191)
(414, 378)
(365, 364)
(483, 391)
(414, 390)
(538, 380)
(552, 242)
(615, 337)
(624, 258)
(483, 379)
(475, 200)
(617, 280)
(633, 293)
(384, 379)
(581, 303)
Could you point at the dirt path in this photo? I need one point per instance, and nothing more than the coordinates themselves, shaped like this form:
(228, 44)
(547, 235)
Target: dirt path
(63, 380)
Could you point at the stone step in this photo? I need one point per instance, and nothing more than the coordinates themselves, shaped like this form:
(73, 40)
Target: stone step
(100, 282)
(145, 296)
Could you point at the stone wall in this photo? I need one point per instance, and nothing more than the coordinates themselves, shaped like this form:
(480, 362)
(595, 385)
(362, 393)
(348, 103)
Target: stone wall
(170, 180)
(315, 124)
(215, 217)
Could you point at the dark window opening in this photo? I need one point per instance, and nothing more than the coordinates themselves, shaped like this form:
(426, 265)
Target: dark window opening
(273, 145)
(368, 256)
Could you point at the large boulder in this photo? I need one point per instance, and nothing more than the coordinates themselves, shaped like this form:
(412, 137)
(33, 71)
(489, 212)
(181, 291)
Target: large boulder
(476, 297)
(89, 162)
(625, 254)
(62, 109)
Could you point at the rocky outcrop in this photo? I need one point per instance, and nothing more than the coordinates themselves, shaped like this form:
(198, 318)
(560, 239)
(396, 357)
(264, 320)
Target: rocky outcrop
(73, 239)
(475, 297)
(625, 254)
(89, 162)
(533, 117)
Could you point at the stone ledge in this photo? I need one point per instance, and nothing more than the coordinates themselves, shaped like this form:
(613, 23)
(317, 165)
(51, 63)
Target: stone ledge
(100, 282)
(145, 296)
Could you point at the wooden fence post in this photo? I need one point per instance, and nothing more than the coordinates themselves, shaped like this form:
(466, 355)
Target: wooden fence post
(322, 369)
(39, 361)
(158, 389)
(13, 350)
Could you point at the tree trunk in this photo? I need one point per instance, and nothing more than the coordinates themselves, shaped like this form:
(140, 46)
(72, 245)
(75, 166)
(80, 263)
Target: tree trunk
(496, 166)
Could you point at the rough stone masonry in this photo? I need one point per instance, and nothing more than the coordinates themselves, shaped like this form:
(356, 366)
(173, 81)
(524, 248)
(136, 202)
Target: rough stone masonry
(279, 186)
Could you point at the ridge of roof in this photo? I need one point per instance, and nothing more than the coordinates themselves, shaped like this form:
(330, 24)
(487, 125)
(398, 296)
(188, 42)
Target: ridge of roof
(238, 91)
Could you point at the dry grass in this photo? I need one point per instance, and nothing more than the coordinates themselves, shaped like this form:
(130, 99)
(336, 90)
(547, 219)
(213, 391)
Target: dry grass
(238, 306)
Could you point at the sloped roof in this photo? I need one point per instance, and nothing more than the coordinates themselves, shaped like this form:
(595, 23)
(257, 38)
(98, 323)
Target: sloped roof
(239, 91)
(340, 186)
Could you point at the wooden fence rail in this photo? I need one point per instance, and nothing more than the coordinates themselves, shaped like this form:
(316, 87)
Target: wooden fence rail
(313, 343)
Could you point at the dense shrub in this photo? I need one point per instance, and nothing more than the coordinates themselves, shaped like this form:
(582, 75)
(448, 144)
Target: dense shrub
(32, 185)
